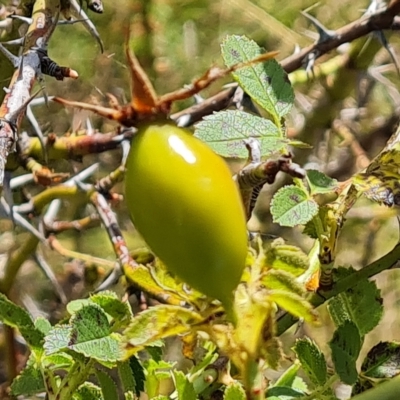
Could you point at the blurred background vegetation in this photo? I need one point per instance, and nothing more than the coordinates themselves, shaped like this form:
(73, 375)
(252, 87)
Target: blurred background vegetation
(346, 115)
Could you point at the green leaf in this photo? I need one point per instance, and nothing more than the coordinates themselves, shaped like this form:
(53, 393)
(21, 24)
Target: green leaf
(291, 206)
(234, 391)
(288, 377)
(16, 317)
(294, 304)
(345, 346)
(282, 280)
(126, 376)
(361, 304)
(107, 385)
(157, 373)
(88, 391)
(29, 381)
(43, 325)
(284, 391)
(113, 306)
(156, 323)
(225, 132)
(57, 339)
(382, 361)
(184, 387)
(284, 257)
(88, 334)
(320, 183)
(155, 351)
(266, 83)
(138, 374)
(57, 361)
(312, 360)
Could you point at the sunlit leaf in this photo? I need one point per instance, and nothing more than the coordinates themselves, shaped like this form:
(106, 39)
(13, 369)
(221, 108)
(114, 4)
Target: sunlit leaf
(225, 132)
(266, 83)
(157, 323)
(291, 206)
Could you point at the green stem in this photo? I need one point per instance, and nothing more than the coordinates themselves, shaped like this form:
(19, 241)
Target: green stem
(384, 263)
(14, 262)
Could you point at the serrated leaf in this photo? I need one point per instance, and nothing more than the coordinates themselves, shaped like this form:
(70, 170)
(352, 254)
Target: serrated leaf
(361, 304)
(28, 382)
(16, 317)
(89, 323)
(294, 304)
(107, 385)
(157, 374)
(138, 374)
(291, 206)
(285, 257)
(345, 346)
(126, 376)
(105, 350)
(266, 83)
(234, 391)
(75, 305)
(225, 132)
(319, 182)
(184, 387)
(282, 280)
(112, 305)
(57, 339)
(88, 391)
(58, 361)
(156, 323)
(382, 361)
(312, 360)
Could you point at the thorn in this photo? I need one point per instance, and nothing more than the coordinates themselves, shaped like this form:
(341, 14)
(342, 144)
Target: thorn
(297, 49)
(111, 279)
(48, 272)
(38, 131)
(77, 13)
(19, 220)
(8, 194)
(105, 112)
(184, 120)
(125, 151)
(324, 33)
(310, 62)
(15, 61)
(15, 42)
(382, 39)
(21, 180)
(21, 18)
(374, 7)
(198, 99)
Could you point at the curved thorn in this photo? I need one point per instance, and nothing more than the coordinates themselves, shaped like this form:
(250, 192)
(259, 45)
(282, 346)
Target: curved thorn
(78, 13)
(48, 272)
(106, 112)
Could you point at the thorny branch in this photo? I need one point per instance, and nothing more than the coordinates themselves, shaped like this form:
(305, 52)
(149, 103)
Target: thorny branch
(35, 61)
(384, 19)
